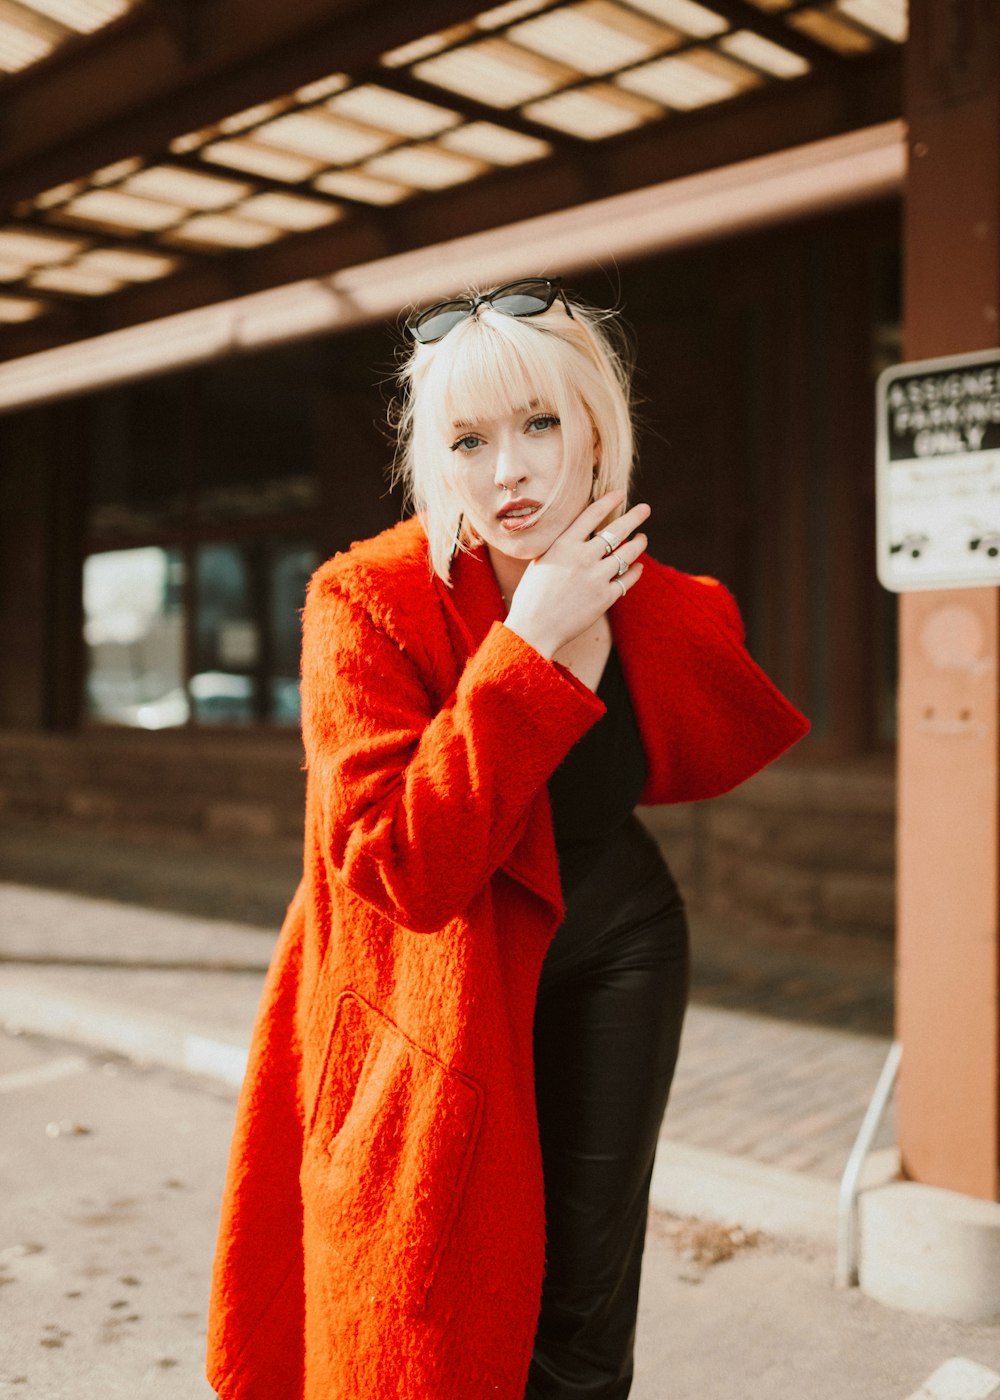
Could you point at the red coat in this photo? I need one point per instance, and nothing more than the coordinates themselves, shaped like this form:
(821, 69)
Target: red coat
(383, 1224)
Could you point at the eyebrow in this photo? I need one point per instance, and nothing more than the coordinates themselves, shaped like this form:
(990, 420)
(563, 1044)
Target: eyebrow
(459, 423)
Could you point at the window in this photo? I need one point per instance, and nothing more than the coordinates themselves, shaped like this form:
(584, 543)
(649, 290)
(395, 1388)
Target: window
(134, 634)
(201, 539)
(222, 651)
(289, 566)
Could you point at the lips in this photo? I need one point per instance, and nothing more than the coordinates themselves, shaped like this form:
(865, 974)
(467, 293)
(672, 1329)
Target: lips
(518, 514)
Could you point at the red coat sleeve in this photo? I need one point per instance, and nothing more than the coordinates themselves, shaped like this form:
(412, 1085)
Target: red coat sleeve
(421, 805)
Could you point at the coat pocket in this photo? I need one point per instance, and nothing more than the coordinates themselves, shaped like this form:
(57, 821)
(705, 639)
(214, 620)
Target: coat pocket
(387, 1154)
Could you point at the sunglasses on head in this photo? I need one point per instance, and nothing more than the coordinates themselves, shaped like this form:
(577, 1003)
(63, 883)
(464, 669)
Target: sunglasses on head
(528, 297)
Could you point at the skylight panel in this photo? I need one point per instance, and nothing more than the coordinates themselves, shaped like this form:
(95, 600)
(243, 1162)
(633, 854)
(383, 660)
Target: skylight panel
(762, 53)
(366, 189)
(111, 174)
(24, 41)
(222, 231)
(323, 87)
(252, 116)
(886, 17)
(113, 209)
(188, 188)
(127, 264)
(594, 37)
(84, 16)
(255, 158)
(496, 144)
(690, 18)
(394, 111)
(57, 195)
(495, 71)
(595, 112)
(509, 13)
(13, 271)
(323, 136)
(75, 281)
(33, 247)
(180, 145)
(691, 80)
(16, 309)
(829, 29)
(430, 43)
(293, 213)
(426, 167)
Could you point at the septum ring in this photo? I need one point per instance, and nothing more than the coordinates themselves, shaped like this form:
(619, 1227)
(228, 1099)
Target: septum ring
(622, 566)
(609, 540)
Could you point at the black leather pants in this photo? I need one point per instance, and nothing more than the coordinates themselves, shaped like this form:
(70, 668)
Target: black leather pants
(607, 1028)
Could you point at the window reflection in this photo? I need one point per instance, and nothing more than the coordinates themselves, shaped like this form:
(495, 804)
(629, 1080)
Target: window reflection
(134, 634)
(227, 637)
(288, 572)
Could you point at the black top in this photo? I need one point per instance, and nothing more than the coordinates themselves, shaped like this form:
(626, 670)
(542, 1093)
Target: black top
(596, 787)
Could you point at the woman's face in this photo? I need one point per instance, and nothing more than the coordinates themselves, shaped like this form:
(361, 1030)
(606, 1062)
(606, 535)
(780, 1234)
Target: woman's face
(506, 468)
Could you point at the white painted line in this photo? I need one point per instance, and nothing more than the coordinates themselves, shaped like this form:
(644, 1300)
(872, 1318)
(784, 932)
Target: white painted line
(958, 1379)
(41, 1074)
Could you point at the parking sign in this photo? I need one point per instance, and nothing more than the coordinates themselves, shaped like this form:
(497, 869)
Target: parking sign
(938, 473)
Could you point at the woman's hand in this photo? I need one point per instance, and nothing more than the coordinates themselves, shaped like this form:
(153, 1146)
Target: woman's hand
(565, 590)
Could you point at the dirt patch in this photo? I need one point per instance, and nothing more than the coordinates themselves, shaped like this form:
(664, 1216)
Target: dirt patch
(703, 1242)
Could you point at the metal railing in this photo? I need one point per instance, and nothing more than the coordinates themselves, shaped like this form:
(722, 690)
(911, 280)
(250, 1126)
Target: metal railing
(847, 1207)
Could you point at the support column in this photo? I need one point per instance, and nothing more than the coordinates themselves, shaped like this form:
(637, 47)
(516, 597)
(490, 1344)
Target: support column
(949, 747)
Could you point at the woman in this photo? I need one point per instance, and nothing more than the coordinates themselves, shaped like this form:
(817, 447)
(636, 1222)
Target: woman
(469, 1028)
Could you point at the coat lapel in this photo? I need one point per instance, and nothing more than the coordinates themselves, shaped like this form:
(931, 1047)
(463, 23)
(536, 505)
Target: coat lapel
(472, 604)
(709, 716)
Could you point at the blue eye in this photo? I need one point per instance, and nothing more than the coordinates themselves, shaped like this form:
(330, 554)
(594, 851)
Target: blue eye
(467, 443)
(544, 421)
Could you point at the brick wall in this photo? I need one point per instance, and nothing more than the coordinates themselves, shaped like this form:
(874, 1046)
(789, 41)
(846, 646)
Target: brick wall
(225, 786)
(796, 847)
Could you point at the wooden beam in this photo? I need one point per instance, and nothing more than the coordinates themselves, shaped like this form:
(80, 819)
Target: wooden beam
(758, 124)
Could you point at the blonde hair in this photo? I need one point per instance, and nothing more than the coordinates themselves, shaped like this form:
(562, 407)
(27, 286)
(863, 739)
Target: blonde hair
(490, 365)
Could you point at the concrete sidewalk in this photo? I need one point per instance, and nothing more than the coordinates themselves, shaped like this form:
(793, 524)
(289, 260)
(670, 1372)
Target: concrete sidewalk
(782, 1047)
(762, 1116)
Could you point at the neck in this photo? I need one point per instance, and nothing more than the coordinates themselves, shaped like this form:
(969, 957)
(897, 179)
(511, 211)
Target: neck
(508, 572)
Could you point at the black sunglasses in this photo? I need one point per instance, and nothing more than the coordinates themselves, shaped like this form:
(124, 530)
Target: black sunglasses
(528, 297)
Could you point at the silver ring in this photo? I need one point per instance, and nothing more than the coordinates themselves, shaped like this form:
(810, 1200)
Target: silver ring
(609, 540)
(621, 586)
(622, 566)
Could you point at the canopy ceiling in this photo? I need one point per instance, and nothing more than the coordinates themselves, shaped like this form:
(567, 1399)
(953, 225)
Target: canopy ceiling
(165, 154)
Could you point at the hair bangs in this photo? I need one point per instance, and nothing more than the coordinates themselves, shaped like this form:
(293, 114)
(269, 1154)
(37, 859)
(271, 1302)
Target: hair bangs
(491, 366)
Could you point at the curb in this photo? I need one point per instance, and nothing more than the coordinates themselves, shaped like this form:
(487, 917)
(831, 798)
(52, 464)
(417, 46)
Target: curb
(687, 1180)
(148, 1036)
(705, 1185)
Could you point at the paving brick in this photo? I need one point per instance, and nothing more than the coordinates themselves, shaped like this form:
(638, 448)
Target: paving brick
(753, 1079)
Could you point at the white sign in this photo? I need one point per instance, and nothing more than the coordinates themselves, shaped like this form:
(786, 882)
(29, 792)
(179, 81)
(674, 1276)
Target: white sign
(938, 473)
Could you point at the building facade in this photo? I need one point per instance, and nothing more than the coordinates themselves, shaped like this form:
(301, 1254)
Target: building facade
(157, 538)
